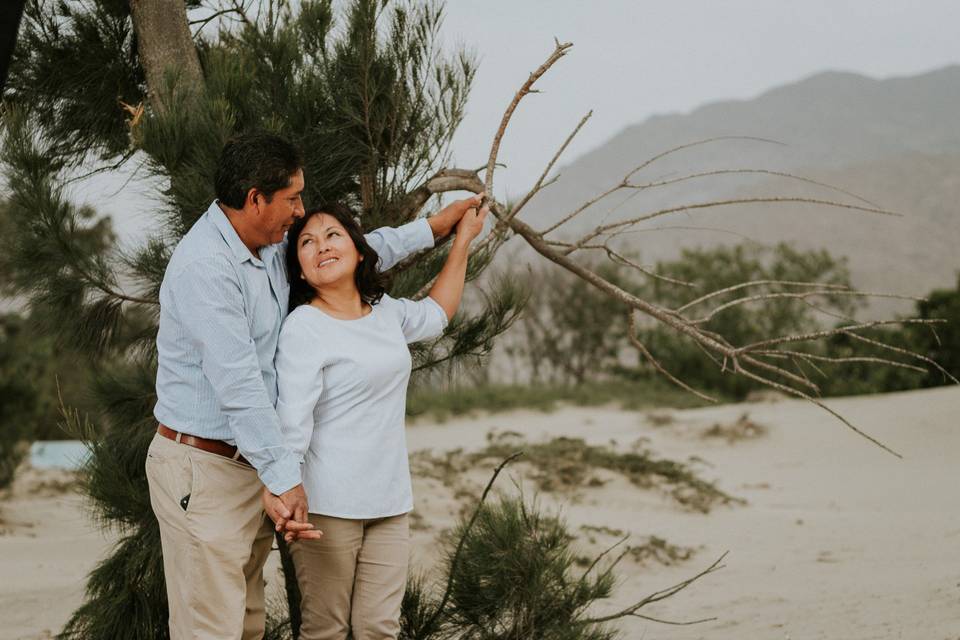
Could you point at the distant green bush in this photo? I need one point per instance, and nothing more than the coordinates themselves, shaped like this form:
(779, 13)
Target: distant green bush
(19, 400)
(943, 345)
(629, 394)
(571, 341)
(718, 268)
(570, 331)
(31, 365)
(939, 342)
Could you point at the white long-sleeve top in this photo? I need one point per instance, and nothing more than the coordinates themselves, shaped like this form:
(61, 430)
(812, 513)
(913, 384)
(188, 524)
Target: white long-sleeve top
(342, 399)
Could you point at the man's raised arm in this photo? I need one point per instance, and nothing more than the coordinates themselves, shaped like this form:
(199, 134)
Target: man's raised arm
(394, 244)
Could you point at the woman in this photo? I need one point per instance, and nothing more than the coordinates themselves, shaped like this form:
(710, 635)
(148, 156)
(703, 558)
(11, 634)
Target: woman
(342, 369)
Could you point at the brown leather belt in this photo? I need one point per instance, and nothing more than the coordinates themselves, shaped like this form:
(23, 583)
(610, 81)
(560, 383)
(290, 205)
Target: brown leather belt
(218, 447)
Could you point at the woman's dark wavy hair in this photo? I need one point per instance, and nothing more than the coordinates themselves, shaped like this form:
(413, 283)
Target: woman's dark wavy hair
(370, 282)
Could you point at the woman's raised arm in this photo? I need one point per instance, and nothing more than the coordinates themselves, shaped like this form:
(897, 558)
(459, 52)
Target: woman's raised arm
(448, 289)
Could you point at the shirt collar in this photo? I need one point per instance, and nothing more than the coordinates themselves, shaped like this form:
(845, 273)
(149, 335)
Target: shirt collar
(230, 236)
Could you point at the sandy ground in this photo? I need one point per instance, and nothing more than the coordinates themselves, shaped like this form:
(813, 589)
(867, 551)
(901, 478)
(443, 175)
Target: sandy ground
(838, 539)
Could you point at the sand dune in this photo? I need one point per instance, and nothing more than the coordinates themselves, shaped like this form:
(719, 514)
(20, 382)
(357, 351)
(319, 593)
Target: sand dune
(837, 539)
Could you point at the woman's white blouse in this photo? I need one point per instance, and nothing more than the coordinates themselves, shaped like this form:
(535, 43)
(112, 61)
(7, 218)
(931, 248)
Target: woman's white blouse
(342, 399)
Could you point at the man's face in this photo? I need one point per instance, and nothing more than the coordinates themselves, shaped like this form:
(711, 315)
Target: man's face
(276, 216)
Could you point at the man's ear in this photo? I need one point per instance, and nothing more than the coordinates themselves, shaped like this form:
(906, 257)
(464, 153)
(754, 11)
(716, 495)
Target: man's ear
(254, 197)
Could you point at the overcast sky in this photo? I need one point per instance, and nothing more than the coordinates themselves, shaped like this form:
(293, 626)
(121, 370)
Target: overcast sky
(635, 58)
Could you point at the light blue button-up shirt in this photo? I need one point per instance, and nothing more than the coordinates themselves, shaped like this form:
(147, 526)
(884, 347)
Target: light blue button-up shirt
(220, 314)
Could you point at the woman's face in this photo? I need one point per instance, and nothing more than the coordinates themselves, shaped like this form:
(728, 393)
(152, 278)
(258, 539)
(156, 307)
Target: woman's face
(327, 254)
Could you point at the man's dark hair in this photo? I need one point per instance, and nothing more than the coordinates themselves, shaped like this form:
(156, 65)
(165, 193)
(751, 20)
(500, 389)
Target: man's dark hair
(255, 160)
(370, 282)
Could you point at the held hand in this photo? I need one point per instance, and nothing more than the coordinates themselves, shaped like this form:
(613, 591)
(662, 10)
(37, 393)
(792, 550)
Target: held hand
(297, 527)
(471, 224)
(295, 500)
(281, 514)
(444, 222)
(276, 510)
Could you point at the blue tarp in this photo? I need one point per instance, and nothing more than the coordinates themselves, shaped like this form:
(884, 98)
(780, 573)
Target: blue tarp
(58, 454)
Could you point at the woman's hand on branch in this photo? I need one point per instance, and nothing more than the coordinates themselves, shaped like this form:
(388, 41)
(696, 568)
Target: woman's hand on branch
(471, 224)
(444, 222)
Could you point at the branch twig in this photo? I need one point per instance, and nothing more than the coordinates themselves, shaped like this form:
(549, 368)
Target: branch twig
(659, 595)
(632, 328)
(527, 87)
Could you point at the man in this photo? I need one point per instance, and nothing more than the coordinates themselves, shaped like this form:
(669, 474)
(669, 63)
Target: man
(218, 443)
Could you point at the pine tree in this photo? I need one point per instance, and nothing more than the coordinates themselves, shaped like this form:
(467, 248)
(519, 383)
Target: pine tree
(367, 95)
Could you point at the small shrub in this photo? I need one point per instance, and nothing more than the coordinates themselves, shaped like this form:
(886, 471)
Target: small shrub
(743, 428)
(659, 550)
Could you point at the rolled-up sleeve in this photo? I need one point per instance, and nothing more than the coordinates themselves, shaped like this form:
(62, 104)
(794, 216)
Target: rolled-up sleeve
(211, 296)
(395, 244)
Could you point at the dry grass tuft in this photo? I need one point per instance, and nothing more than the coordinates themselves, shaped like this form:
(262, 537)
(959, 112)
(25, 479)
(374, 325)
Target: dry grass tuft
(570, 464)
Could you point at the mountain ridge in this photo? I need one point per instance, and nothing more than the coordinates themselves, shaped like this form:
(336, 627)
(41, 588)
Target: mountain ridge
(894, 141)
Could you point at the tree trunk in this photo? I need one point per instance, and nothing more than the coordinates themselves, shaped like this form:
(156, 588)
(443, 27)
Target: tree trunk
(368, 179)
(10, 14)
(165, 46)
(292, 587)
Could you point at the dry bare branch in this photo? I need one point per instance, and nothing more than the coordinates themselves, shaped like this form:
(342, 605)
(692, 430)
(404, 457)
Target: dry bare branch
(559, 51)
(540, 181)
(697, 143)
(840, 359)
(601, 555)
(605, 228)
(621, 259)
(632, 334)
(826, 333)
(586, 205)
(739, 360)
(672, 622)
(779, 174)
(780, 295)
(625, 181)
(758, 283)
(752, 361)
(905, 352)
(627, 262)
(657, 596)
(800, 394)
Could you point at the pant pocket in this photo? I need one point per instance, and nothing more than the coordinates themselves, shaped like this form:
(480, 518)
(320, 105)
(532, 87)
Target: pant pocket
(172, 480)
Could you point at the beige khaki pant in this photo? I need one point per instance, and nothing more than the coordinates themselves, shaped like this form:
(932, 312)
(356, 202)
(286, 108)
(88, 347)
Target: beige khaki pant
(214, 543)
(353, 578)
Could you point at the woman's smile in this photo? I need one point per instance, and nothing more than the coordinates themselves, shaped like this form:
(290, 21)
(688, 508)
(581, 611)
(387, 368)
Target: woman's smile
(327, 261)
